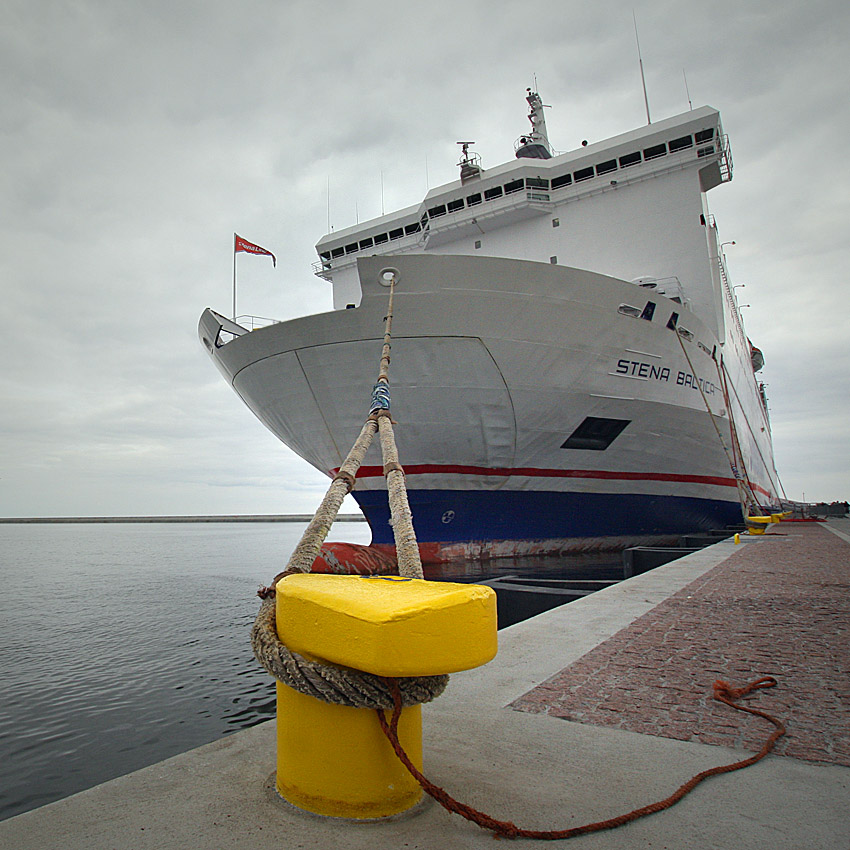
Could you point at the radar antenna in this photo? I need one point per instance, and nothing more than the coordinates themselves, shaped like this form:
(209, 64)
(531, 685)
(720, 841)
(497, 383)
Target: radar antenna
(470, 163)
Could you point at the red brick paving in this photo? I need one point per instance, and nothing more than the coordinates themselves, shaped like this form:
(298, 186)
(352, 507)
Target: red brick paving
(780, 606)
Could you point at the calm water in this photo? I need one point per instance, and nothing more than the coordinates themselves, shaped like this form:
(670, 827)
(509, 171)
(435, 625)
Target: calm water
(123, 645)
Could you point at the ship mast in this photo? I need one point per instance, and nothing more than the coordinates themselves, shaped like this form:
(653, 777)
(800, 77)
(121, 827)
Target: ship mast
(534, 145)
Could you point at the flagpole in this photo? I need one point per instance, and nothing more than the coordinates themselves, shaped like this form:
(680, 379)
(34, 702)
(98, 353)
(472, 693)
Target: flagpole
(234, 277)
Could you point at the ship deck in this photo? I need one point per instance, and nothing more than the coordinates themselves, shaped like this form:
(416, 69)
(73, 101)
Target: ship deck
(589, 711)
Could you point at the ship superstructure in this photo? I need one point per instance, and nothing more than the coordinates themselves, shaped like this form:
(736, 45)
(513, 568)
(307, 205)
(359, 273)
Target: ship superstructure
(629, 207)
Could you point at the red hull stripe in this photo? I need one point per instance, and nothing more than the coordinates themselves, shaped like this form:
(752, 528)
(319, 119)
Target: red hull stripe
(531, 472)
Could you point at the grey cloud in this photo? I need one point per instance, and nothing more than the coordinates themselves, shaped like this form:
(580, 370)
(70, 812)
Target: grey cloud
(137, 138)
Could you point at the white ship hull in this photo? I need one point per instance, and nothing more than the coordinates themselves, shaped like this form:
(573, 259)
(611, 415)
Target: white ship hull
(508, 380)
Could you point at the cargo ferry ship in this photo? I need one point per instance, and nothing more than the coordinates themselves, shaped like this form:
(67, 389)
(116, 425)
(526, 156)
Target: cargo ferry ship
(570, 369)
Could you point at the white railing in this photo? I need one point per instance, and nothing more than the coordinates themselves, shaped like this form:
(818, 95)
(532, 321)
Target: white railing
(725, 158)
(254, 322)
(728, 292)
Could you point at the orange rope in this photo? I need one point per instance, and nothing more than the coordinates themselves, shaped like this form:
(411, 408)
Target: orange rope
(723, 692)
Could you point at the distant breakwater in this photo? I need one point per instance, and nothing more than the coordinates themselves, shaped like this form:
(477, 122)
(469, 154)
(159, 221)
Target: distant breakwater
(223, 518)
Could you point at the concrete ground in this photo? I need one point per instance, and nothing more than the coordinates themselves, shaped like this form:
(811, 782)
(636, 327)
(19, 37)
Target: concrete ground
(633, 664)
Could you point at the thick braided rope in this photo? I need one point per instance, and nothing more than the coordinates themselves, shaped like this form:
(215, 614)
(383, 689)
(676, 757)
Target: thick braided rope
(330, 683)
(406, 547)
(314, 535)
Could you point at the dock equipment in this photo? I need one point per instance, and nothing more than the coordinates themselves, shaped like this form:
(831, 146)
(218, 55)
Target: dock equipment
(333, 759)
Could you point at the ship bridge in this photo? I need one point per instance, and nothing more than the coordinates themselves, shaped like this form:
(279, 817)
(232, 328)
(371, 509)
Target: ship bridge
(562, 210)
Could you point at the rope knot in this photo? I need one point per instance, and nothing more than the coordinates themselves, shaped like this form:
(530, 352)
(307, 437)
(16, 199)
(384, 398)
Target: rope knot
(347, 477)
(724, 692)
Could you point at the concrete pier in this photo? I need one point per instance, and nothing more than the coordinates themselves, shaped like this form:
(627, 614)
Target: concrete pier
(588, 711)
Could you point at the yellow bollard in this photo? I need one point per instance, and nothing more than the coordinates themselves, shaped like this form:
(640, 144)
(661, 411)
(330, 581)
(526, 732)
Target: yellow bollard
(758, 524)
(737, 539)
(333, 759)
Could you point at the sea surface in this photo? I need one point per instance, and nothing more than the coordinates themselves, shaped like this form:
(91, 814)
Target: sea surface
(125, 644)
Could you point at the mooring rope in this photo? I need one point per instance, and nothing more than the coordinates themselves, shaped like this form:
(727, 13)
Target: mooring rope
(317, 530)
(733, 429)
(778, 480)
(723, 692)
(328, 682)
(379, 419)
(406, 547)
(742, 498)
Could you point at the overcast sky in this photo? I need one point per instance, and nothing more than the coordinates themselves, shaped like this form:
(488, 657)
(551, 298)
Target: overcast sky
(138, 136)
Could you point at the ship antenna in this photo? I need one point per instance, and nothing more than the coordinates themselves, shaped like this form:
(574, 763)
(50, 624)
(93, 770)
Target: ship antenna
(642, 77)
(687, 90)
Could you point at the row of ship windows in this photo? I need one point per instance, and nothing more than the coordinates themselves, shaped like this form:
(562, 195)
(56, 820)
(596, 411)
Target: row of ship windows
(536, 187)
(378, 239)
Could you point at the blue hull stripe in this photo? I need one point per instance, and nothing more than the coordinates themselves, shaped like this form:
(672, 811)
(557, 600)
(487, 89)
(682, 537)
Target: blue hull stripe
(461, 516)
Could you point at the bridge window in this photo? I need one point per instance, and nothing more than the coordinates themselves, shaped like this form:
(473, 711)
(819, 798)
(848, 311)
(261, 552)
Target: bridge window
(655, 151)
(472, 200)
(630, 159)
(583, 174)
(366, 243)
(563, 180)
(513, 186)
(606, 167)
(490, 194)
(704, 135)
(454, 206)
(681, 144)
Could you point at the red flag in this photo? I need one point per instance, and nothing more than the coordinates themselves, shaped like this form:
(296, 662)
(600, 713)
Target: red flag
(240, 244)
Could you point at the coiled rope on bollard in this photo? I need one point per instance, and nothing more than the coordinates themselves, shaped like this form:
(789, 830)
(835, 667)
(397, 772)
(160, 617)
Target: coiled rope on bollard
(330, 682)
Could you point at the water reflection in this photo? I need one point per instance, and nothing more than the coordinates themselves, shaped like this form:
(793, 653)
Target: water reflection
(574, 566)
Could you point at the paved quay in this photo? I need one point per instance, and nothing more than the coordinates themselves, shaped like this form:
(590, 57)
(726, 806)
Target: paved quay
(786, 616)
(589, 711)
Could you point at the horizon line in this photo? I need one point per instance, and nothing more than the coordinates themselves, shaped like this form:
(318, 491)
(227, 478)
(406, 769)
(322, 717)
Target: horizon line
(180, 518)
